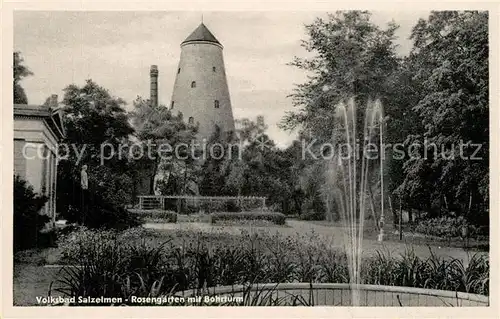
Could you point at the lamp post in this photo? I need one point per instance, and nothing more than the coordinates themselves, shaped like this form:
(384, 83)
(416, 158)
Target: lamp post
(381, 221)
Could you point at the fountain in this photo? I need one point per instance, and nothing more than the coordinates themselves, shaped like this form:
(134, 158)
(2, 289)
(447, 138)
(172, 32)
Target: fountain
(350, 180)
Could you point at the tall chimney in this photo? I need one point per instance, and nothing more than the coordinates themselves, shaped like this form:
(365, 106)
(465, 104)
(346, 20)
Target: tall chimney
(153, 74)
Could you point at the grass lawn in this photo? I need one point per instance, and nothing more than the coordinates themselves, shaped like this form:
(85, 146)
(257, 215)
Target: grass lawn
(333, 234)
(31, 281)
(391, 235)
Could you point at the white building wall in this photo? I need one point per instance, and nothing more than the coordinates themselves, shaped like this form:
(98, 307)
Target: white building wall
(35, 158)
(34, 165)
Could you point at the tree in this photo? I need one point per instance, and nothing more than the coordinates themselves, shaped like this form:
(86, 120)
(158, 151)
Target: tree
(220, 168)
(353, 58)
(247, 163)
(450, 54)
(160, 135)
(248, 130)
(223, 171)
(20, 71)
(97, 128)
(28, 222)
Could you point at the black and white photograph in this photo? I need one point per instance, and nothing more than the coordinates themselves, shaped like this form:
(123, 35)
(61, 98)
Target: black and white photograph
(206, 158)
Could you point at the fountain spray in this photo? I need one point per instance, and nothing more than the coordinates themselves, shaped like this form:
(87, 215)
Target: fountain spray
(349, 183)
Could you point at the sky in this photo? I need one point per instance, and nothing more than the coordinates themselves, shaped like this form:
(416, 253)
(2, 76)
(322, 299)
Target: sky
(116, 49)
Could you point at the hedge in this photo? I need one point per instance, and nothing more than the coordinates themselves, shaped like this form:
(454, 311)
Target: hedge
(313, 215)
(276, 218)
(166, 215)
(447, 227)
(187, 207)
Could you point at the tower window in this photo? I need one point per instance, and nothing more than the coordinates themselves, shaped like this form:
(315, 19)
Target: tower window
(191, 120)
(172, 105)
(213, 68)
(193, 84)
(178, 70)
(216, 104)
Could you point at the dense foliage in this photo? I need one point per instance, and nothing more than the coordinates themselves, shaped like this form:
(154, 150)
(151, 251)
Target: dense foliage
(435, 102)
(159, 131)
(252, 166)
(28, 222)
(20, 71)
(96, 126)
(450, 56)
(449, 227)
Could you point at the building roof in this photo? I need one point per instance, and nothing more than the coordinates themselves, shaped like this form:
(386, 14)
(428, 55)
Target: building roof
(201, 33)
(31, 110)
(53, 116)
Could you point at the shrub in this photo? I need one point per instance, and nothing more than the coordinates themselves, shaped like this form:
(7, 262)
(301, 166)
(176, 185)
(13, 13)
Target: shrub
(170, 204)
(189, 209)
(155, 214)
(102, 214)
(108, 194)
(232, 206)
(47, 238)
(276, 218)
(209, 207)
(313, 215)
(28, 222)
(447, 227)
(252, 205)
(313, 203)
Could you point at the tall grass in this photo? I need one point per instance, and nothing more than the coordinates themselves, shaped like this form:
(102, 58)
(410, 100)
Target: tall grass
(147, 263)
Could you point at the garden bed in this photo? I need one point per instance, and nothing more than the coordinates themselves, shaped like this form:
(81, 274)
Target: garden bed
(194, 218)
(155, 215)
(249, 223)
(146, 262)
(220, 259)
(271, 217)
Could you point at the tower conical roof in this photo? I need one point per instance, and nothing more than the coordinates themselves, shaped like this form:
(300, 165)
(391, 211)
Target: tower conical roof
(201, 34)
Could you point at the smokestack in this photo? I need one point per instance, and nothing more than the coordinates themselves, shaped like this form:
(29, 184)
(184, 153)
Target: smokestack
(153, 75)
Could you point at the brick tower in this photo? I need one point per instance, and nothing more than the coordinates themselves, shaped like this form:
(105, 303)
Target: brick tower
(200, 90)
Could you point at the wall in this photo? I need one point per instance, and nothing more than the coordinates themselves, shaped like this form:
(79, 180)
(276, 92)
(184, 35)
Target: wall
(38, 164)
(336, 294)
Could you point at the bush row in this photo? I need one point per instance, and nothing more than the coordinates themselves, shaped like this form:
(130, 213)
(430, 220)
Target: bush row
(275, 218)
(172, 217)
(138, 262)
(447, 227)
(156, 215)
(313, 215)
(208, 207)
